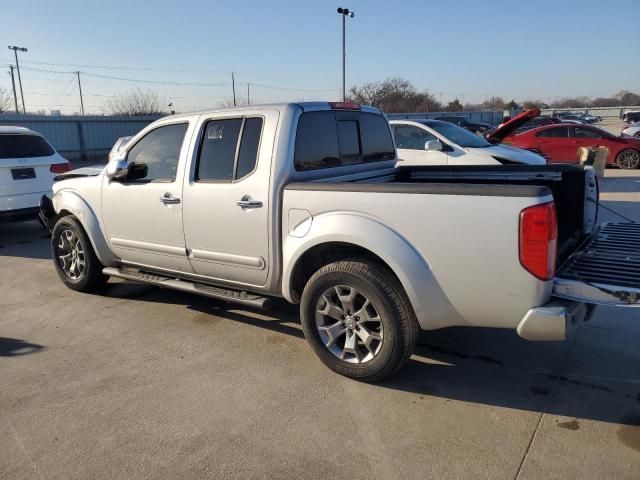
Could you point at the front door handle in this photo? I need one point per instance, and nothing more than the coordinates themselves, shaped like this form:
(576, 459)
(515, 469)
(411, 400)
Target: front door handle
(169, 199)
(247, 202)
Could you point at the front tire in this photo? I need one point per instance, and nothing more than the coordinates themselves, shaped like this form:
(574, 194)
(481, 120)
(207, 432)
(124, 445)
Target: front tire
(358, 320)
(628, 159)
(74, 258)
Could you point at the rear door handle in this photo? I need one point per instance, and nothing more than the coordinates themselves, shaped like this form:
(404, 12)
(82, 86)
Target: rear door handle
(169, 199)
(247, 202)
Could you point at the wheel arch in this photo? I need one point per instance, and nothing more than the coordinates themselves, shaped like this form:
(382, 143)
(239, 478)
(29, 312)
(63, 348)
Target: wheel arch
(69, 202)
(344, 236)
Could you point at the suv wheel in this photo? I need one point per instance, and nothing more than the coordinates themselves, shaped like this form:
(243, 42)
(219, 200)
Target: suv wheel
(358, 320)
(73, 256)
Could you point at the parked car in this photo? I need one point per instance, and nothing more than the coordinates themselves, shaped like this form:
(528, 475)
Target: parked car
(591, 118)
(303, 201)
(571, 118)
(631, 117)
(27, 167)
(560, 143)
(633, 130)
(475, 127)
(433, 142)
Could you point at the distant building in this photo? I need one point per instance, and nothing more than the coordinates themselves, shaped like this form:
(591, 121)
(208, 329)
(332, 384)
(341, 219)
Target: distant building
(55, 112)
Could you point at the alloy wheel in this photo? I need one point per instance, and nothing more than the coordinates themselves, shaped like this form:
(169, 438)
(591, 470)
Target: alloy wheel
(349, 324)
(629, 159)
(70, 253)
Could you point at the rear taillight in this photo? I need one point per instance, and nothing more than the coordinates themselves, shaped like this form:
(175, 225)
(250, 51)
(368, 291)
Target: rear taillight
(539, 240)
(60, 167)
(345, 105)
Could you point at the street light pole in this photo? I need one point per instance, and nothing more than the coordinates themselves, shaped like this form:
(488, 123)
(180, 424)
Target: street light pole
(15, 51)
(345, 12)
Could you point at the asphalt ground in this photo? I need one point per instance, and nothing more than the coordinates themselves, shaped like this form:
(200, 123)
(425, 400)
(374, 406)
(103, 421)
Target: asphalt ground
(139, 382)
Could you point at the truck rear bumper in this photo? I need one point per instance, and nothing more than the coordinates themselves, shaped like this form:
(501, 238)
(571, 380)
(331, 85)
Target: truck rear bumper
(555, 321)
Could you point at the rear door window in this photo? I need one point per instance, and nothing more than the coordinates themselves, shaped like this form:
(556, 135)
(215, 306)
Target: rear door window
(222, 158)
(556, 132)
(338, 138)
(24, 146)
(581, 132)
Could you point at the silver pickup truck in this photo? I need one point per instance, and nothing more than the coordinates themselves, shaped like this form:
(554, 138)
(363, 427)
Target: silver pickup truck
(304, 201)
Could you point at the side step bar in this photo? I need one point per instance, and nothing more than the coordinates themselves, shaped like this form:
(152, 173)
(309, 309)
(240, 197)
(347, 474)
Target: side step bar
(234, 296)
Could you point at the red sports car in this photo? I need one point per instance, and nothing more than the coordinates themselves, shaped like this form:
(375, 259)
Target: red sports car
(560, 143)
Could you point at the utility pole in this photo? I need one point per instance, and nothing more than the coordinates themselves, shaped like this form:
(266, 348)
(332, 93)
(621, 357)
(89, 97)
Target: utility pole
(15, 51)
(80, 90)
(248, 98)
(233, 85)
(345, 12)
(13, 84)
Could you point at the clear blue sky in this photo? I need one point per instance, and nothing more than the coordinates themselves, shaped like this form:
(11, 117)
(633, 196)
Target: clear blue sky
(521, 49)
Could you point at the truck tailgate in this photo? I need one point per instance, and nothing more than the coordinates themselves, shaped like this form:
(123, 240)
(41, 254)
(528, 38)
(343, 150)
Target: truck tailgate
(605, 270)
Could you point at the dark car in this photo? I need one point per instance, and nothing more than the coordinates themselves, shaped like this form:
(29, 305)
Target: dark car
(631, 117)
(474, 127)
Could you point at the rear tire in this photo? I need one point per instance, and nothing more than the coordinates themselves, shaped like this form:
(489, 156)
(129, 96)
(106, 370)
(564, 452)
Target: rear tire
(358, 320)
(628, 159)
(74, 258)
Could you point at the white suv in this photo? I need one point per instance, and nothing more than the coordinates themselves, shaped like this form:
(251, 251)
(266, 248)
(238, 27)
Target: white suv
(28, 165)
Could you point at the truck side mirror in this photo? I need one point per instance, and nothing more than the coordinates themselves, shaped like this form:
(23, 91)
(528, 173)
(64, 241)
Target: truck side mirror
(117, 169)
(433, 145)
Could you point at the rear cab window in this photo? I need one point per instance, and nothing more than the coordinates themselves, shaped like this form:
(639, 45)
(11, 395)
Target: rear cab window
(329, 138)
(24, 146)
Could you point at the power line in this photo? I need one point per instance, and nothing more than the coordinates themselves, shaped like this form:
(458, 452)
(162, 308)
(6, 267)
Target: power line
(180, 84)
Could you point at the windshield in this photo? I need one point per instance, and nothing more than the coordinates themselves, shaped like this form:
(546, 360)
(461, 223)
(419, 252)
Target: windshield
(459, 135)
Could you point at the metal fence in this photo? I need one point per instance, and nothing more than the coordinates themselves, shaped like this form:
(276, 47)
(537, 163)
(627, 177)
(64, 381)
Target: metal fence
(80, 137)
(493, 118)
(604, 112)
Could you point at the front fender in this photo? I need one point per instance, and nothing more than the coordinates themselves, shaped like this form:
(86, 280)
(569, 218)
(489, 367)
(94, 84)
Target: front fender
(430, 304)
(72, 202)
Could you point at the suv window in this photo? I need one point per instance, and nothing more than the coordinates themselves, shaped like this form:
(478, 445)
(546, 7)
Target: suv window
(338, 138)
(580, 132)
(411, 138)
(155, 156)
(220, 157)
(24, 146)
(557, 132)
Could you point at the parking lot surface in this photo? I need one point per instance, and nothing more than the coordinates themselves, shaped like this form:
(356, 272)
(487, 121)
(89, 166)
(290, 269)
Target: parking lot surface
(145, 383)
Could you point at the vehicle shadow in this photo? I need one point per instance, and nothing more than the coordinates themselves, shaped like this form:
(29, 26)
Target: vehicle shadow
(26, 239)
(13, 347)
(481, 366)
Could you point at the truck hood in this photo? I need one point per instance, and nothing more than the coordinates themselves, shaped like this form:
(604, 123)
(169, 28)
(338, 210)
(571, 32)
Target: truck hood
(91, 171)
(510, 154)
(507, 128)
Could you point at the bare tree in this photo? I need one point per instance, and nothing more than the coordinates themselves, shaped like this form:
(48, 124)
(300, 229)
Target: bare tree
(394, 95)
(5, 100)
(228, 102)
(135, 102)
